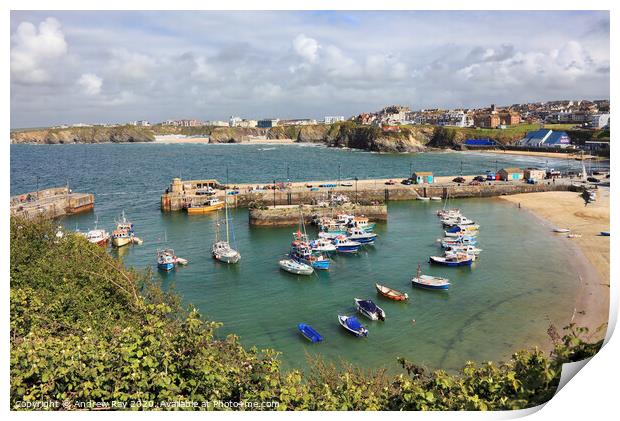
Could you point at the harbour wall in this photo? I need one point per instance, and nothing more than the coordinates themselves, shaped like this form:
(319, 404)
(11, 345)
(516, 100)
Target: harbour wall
(290, 214)
(51, 203)
(371, 193)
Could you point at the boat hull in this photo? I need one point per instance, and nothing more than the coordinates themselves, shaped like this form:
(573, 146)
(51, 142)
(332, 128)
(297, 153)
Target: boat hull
(165, 266)
(120, 241)
(199, 210)
(431, 287)
(343, 322)
(227, 259)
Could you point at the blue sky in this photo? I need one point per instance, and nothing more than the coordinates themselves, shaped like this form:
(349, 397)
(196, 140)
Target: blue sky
(98, 67)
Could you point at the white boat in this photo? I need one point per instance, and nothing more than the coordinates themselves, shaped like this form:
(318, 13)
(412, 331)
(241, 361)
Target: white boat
(423, 198)
(322, 245)
(459, 220)
(463, 249)
(369, 309)
(297, 268)
(561, 230)
(97, 236)
(222, 250)
(470, 233)
(429, 282)
(361, 236)
(437, 198)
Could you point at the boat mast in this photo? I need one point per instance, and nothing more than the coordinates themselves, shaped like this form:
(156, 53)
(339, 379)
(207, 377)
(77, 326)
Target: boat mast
(226, 212)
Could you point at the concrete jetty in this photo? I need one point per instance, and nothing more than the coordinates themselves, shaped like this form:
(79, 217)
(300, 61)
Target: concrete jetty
(51, 203)
(182, 193)
(284, 215)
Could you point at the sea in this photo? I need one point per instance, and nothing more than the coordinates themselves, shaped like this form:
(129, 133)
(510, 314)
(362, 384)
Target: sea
(522, 283)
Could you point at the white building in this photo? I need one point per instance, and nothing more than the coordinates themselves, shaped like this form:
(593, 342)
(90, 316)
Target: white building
(247, 124)
(234, 121)
(218, 123)
(599, 121)
(142, 123)
(454, 118)
(333, 119)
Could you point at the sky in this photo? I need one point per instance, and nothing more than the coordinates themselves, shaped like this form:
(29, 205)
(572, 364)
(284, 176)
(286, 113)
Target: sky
(114, 67)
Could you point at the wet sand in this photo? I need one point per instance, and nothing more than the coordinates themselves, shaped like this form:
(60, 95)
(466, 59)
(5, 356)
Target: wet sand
(590, 252)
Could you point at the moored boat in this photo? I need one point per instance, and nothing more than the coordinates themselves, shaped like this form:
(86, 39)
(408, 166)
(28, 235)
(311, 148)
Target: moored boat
(351, 324)
(221, 249)
(390, 293)
(97, 236)
(296, 268)
(458, 259)
(429, 282)
(369, 309)
(344, 245)
(464, 249)
(322, 245)
(309, 333)
(124, 232)
(166, 259)
(356, 234)
(206, 207)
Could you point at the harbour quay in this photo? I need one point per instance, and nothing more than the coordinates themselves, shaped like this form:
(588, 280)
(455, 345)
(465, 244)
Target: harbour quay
(182, 194)
(285, 215)
(51, 203)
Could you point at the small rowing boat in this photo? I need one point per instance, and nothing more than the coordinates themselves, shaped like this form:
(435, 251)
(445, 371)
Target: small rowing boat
(390, 293)
(561, 230)
(309, 333)
(353, 325)
(296, 268)
(369, 309)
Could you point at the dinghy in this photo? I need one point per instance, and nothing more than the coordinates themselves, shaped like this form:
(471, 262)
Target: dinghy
(459, 259)
(296, 268)
(429, 282)
(561, 230)
(370, 309)
(309, 333)
(353, 325)
(390, 293)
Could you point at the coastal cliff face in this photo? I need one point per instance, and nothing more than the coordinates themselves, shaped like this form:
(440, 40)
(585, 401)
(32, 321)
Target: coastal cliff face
(97, 134)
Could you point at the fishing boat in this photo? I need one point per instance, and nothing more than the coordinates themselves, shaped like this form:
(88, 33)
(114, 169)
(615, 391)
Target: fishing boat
(124, 232)
(97, 236)
(356, 234)
(561, 230)
(369, 309)
(221, 249)
(353, 325)
(344, 245)
(458, 259)
(390, 293)
(362, 223)
(429, 282)
(302, 252)
(458, 241)
(309, 333)
(209, 206)
(296, 268)
(166, 259)
(322, 245)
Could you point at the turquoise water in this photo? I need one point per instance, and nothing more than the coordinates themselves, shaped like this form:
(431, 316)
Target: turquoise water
(505, 302)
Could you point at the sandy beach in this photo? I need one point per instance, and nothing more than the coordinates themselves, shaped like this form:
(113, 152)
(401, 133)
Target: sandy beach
(557, 155)
(590, 252)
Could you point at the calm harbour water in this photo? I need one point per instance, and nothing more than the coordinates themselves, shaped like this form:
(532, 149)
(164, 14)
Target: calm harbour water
(522, 282)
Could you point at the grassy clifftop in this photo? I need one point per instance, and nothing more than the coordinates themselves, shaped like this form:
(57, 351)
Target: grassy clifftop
(84, 328)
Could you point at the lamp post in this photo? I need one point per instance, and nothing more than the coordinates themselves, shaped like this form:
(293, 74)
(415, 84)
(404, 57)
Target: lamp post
(274, 193)
(356, 189)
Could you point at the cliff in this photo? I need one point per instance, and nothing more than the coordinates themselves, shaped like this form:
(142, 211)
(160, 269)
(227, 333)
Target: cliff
(95, 134)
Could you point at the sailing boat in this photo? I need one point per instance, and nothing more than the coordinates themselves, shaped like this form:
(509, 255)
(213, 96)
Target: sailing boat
(221, 249)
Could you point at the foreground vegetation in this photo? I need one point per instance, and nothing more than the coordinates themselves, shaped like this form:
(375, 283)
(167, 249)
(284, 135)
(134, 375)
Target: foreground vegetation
(86, 331)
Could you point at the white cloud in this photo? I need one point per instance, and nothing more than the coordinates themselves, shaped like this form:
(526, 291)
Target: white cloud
(306, 47)
(90, 83)
(203, 71)
(130, 66)
(34, 50)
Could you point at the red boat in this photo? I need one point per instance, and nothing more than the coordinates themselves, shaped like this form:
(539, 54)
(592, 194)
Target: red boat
(390, 293)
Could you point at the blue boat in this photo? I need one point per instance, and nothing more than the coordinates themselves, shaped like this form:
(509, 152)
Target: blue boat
(301, 252)
(309, 333)
(165, 259)
(353, 325)
(361, 236)
(452, 260)
(344, 245)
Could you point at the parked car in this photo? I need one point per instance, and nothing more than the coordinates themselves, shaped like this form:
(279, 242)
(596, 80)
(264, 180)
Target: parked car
(479, 178)
(407, 182)
(593, 180)
(474, 183)
(390, 183)
(458, 180)
(327, 185)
